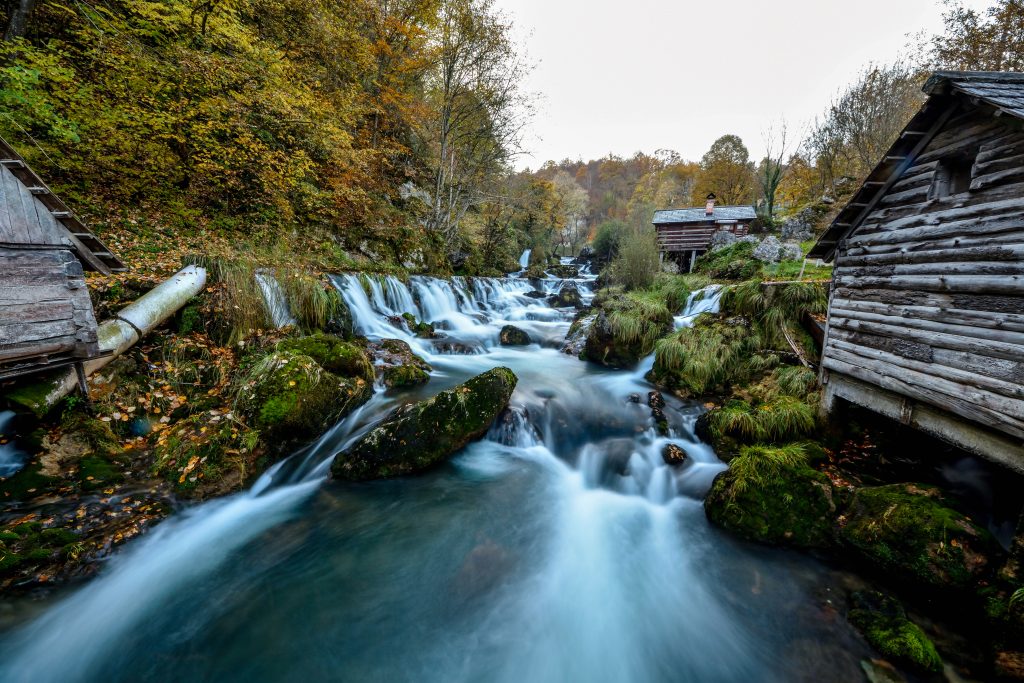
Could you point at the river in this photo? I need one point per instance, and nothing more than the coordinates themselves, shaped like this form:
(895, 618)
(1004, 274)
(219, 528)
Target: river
(559, 548)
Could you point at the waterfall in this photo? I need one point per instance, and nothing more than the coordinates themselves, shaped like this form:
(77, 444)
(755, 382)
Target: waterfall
(11, 458)
(524, 260)
(707, 300)
(274, 299)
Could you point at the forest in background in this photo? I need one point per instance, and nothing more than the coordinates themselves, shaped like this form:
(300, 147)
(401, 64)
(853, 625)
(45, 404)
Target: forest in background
(381, 134)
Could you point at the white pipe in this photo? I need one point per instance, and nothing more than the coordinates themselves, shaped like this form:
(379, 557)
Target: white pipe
(120, 333)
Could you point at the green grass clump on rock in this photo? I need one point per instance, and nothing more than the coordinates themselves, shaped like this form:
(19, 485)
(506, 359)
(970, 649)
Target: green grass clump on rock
(421, 435)
(625, 330)
(332, 354)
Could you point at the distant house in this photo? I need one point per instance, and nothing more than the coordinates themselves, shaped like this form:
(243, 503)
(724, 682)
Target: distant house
(46, 317)
(684, 234)
(926, 313)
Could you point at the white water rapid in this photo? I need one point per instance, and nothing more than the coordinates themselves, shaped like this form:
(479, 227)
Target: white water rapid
(559, 548)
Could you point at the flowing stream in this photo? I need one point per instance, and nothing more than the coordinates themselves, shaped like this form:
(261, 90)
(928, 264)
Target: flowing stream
(559, 548)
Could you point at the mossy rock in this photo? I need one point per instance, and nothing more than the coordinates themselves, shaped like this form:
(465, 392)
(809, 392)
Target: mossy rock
(423, 330)
(404, 376)
(794, 507)
(421, 435)
(511, 335)
(289, 398)
(30, 542)
(624, 331)
(884, 624)
(907, 531)
(332, 354)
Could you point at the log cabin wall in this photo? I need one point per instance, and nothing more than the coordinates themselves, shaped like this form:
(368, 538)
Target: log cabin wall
(694, 237)
(927, 305)
(45, 312)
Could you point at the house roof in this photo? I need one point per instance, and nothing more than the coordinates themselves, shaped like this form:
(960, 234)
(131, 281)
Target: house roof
(698, 214)
(948, 91)
(31, 214)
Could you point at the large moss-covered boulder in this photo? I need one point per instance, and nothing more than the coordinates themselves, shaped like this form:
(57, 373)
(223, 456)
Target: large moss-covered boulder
(290, 398)
(763, 499)
(625, 331)
(883, 623)
(907, 531)
(332, 354)
(421, 435)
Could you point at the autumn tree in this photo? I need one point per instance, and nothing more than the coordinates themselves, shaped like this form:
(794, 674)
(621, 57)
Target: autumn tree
(726, 170)
(573, 204)
(476, 115)
(992, 40)
(772, 168)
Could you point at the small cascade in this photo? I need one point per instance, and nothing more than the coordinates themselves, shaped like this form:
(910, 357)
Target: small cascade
(274, 299)
(11, 458)
(707, 300)
(513, 428)
(524, 260)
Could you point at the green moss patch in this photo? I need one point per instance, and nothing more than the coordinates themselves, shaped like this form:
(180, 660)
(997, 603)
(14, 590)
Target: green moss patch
(625, 330)
(884, 624)
(332, 354)
(907, 530)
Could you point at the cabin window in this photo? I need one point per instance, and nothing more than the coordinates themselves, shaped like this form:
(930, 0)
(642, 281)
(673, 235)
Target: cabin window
(952, 176)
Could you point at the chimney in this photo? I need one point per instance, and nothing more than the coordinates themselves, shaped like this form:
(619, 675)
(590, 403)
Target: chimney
(709, 210)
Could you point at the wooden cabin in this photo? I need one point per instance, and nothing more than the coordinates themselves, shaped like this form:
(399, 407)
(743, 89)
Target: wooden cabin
(684, 234)
(46, 317)
(926, 312)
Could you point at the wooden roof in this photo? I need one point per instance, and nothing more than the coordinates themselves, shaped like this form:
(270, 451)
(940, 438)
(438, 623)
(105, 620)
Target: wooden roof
(32, 215)
(698, 214)
(948, 92)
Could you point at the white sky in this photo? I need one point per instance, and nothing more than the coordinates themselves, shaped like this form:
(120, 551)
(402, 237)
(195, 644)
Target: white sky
(639, 75)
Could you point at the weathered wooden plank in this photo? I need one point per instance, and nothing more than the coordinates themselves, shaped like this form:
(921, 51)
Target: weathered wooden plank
(1008, 239)
(955, 376)
(987, 319)
(1002, 160)
(12, 352)
(914, 386)
(1004, 198)
(934, 268)
(987, 347)
(915, 193)
(972, 284)
(988, 252)
(900, 347)
(973, 302)
(974, 227)
(1000, 368)
(13, 334)
(22, 294)
(985, 181)
(36, 312)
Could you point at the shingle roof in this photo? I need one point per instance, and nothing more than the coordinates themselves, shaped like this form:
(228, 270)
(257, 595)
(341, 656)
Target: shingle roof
(33, 214)
(697, 215)
(947, 91)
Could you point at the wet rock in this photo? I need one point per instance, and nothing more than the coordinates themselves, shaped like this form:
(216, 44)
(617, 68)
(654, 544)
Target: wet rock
(1010, 665)
(423, 330)
(792, 506)
(399, 367)
(421, 435)
(907, 531)
(290, 398)
(513, 336)
(456, 348)
(568, 296)
(883, 622)
(624, 331)
(634, 398)
(881, 671)
(655, 399)
(332, 354)
(576, 338)
(537, 294)
(673, 454)
(564, 272)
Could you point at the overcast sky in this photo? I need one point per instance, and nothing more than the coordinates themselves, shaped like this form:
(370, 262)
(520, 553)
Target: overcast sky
(622, 76)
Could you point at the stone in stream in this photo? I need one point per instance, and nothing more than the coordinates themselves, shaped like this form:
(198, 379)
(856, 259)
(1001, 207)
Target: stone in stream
(576, 339)
(885, 625)
(399, 367)
(907, 531)
(513, 336)
(568, 296)
(420, 435)
(673, 454)
(634, 398)
(537, 294)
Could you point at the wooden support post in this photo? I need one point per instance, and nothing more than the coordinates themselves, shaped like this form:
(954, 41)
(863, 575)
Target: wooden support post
(693, 259)
(83, 384)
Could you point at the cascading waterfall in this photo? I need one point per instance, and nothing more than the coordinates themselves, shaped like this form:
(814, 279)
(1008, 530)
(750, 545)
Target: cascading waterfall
(274, 300)
(11, 457)
(561, 547)
(524, 260)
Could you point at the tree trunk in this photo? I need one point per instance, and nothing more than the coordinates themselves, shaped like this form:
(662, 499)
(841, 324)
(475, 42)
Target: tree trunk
(18, 23)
